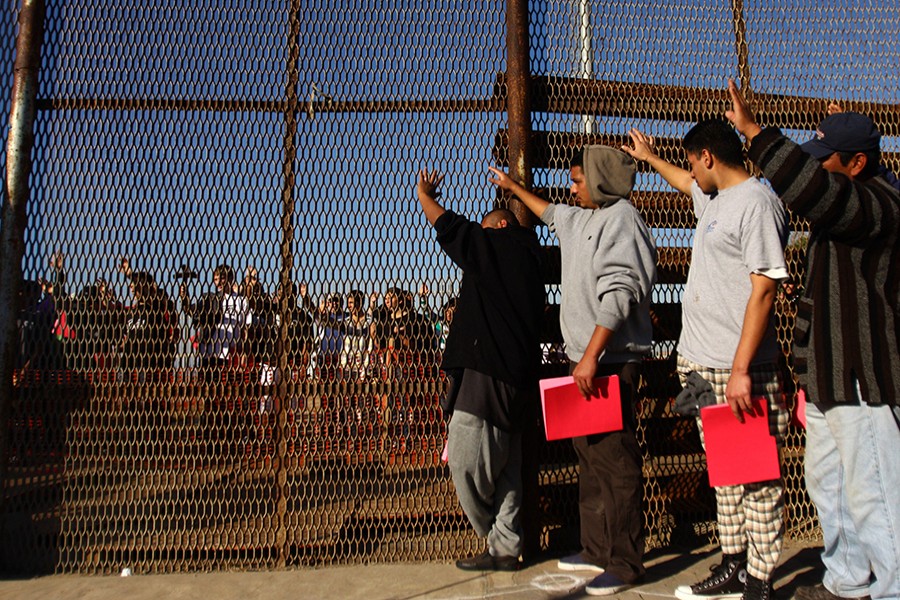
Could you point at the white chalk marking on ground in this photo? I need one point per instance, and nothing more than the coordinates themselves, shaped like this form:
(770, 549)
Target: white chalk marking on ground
(559, 582)
(545, 582)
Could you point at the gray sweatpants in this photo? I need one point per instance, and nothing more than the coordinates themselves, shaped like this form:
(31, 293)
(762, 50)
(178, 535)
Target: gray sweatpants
(486, 465)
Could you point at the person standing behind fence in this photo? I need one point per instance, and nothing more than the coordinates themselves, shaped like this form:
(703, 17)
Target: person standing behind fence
(356, 346)
(149, 338)
(608, 273)
(492, 357)
(846, 341)
(220, 318)
(728, 335)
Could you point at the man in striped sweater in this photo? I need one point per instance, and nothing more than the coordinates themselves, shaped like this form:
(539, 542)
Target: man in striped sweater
(846, 341)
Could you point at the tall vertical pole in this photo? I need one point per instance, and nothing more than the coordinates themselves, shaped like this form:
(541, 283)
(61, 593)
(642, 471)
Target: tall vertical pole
(285, 280)
(586, 62)
(740, 43)
(518, 99)
(519, 114)
(18, 170)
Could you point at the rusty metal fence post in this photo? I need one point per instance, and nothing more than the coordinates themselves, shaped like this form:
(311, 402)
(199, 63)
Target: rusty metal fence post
(286, 281)
(18, 170)
(518, 108)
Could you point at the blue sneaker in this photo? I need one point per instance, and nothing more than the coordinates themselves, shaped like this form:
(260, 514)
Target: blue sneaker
(606, 584)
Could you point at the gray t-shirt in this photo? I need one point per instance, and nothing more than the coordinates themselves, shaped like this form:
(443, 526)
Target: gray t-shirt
(740, 231)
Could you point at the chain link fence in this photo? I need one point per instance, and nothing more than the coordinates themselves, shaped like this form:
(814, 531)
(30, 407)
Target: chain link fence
(233, 311)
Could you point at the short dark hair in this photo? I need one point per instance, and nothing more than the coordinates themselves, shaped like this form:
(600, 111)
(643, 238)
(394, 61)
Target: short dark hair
(873, 162)
(225, 273)
(716, 137)
(499, 214)
(357, 296)
(143, 283)
(577, 159)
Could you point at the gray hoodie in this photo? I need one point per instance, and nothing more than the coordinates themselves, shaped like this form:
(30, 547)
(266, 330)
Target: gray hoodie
(608, 262)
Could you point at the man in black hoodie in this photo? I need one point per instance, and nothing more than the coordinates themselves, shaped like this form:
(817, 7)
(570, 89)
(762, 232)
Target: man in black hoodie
(492, 357)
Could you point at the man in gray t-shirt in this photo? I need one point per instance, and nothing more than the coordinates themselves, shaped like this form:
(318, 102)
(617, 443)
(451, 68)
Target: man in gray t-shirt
(728, 336)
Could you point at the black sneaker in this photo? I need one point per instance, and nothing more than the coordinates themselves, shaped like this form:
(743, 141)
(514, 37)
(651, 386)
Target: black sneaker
(726, 581)
(757, 589)
(486, 562)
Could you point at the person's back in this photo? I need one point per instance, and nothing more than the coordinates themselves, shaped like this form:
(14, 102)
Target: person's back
(491, 357)
(497, 323)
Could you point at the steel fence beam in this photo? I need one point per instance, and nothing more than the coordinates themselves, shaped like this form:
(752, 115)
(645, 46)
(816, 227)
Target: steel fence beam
(552, 94)
(571, 95)
(552, 150)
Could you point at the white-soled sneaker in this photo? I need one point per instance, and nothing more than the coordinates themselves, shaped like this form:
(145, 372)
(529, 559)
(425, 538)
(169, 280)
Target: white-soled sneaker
(725, 582)
(576, 562)
(606, 584)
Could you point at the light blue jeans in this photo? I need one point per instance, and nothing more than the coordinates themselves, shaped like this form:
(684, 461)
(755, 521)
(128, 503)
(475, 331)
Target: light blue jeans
(853, 477)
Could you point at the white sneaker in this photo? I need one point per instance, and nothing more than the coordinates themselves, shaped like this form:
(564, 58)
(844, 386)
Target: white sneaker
(576, 562)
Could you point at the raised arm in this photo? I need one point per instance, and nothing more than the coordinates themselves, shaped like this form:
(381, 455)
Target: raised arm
(644, 150)
(741, 115)
(535, 203)
(427, 190)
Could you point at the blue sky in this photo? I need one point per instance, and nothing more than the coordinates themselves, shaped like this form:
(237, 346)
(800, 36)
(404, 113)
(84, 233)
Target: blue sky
(172, 187)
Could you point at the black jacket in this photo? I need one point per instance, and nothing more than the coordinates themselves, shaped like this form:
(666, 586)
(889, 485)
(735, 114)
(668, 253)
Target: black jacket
(497, 325)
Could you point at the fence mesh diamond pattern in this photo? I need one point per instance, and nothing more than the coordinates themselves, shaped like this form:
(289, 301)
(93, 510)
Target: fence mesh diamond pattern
(233, 310)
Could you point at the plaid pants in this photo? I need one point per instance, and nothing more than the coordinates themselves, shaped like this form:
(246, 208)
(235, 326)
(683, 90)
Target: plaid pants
(751, 516)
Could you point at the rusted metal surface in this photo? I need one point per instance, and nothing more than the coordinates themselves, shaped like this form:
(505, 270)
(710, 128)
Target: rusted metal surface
(687, 104)
(16, 192)
(518, 100)
(286, 280)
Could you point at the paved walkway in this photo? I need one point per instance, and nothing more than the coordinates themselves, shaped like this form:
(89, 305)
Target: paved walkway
(423, 581)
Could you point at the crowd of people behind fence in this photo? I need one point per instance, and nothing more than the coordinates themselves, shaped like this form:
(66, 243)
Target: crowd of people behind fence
(234, 329)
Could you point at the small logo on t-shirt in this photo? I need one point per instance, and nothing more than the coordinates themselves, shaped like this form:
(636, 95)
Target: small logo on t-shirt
(711, 227)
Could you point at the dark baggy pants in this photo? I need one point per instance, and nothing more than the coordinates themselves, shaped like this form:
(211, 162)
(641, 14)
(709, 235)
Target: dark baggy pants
(611, 487)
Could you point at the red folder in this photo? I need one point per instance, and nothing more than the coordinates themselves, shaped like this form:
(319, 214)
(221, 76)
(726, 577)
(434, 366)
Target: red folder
(739, 453)
(568, 414)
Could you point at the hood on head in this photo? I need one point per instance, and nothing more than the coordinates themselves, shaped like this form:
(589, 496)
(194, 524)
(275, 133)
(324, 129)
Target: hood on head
(609, 174)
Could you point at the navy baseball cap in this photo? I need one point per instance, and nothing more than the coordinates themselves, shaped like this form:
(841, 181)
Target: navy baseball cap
(843, 132)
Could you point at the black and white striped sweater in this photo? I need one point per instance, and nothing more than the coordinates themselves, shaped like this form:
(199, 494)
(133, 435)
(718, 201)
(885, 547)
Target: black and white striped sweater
(848, 318)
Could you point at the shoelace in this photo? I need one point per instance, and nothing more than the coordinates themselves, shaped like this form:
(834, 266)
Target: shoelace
(720, 573)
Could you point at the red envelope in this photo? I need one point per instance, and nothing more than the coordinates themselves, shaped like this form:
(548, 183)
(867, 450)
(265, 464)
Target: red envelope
(567, 414)
(739, 453)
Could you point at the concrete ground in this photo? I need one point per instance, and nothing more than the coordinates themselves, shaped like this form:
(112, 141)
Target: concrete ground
(666, 569)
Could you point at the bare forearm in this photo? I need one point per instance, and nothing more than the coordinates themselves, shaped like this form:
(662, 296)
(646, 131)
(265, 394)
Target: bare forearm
(599, 340)
(756, 323)
(677, 177)
(430, 207)
(535, 203)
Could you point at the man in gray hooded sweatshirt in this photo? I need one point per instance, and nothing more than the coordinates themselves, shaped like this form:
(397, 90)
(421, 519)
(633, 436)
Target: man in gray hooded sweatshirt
(608, 272)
